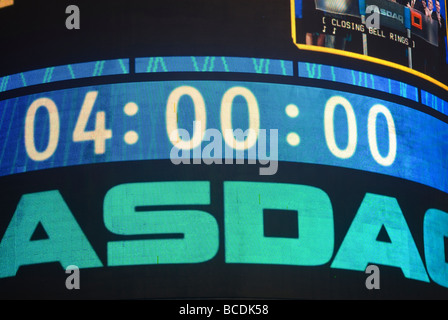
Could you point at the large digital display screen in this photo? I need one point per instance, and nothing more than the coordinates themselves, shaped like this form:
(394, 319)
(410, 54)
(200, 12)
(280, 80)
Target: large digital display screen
(240, 150)
(408, 35)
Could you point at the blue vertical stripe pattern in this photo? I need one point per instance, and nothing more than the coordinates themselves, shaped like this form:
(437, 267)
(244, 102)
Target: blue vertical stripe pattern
(357, 78)
(66, 72)
(434, 102)
(214, 64)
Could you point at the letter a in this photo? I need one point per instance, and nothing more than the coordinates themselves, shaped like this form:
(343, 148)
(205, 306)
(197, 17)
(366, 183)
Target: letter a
(72, 21)
(373, 20)
(66, 242)
(72, 281)
(373, 281)
(361, 247)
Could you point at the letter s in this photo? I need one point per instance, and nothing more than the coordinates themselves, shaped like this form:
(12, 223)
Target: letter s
(127, 212)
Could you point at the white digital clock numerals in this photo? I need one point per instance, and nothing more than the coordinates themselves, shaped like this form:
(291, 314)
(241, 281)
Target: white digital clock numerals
(353, 132)
(99, 135)
(53, 139)
(171, 117)
(200, 118)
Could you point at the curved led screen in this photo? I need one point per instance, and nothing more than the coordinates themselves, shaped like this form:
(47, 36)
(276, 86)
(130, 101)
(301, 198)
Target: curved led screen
(214, 149)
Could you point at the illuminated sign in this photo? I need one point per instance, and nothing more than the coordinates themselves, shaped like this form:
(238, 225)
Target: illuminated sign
(392, 14)
(244, 238)
(315, 126)
(244, 168)
(338, 129)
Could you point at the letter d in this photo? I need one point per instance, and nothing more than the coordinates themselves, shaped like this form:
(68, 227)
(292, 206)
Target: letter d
(245, 240)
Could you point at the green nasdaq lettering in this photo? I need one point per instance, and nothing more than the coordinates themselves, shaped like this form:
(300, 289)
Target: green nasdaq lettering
(128, 212)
